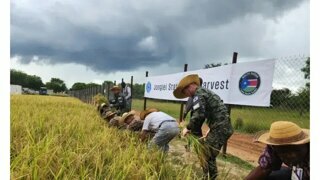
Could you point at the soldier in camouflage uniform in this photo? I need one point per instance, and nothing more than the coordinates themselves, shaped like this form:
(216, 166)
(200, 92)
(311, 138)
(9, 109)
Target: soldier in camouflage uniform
(206, 105)
(119, 101)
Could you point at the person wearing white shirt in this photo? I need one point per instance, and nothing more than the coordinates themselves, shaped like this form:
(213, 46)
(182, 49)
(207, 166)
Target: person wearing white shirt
(126, 91)
(163, 125)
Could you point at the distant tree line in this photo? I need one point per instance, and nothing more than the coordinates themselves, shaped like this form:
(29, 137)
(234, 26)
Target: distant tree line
(35, 82)
(300, 100)
(29, 81)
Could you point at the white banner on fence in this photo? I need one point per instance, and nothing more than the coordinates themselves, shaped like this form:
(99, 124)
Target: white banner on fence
(247, 83)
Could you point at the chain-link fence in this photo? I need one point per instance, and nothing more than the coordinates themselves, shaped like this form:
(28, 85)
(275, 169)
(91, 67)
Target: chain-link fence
(290, 98)
(86, 95)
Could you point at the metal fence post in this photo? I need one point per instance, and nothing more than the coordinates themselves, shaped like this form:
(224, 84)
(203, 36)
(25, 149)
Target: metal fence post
(145, 99)
(224, 148)
(131, 92)
(181, 106)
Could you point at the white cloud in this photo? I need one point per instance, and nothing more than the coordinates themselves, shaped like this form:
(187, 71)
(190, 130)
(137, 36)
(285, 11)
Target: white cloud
(149, 43)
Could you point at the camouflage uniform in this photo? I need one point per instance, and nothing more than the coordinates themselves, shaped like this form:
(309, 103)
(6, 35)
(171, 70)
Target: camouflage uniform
(119, 102)
(207, 104)
(135, 125)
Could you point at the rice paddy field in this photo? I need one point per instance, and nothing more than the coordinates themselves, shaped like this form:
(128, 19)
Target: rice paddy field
(64, 138)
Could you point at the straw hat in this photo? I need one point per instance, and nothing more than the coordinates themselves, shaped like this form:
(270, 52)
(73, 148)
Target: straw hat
(285, 133)
(99, 106)
(144, 113)
(184, 82)
(109, 114)
(114, 88)
(125, 116)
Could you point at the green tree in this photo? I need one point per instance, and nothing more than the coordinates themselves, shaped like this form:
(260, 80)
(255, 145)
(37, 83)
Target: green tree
(280, 97)
(78, 86)
(306, 71)
(29, 81)
(57, 85)
(34, 82)
(92, 85)
(138, 91)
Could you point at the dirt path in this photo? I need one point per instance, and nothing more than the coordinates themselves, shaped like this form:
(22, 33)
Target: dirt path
(227, 170)
(242, 146)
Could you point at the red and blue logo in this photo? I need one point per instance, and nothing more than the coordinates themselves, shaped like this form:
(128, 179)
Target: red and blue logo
(249, 83)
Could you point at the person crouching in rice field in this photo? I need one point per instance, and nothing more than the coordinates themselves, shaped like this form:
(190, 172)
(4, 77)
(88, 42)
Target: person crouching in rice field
(206, 105)
(164, 126)
(114, 122)
(108, 115)
(102, 108)
(288, 144)
(131, 122)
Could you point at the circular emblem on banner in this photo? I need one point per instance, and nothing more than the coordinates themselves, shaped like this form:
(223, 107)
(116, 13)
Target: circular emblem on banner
(148, 87)
(249, 83)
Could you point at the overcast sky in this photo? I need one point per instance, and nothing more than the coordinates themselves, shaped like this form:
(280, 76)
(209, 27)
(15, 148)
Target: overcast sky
(99, 40)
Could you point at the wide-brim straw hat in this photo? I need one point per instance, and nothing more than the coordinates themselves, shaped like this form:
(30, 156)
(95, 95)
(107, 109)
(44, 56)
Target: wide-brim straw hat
(144, 113)
(285, 133)
(184, 82)
(109, 114)
(114, 88)
(125, 116)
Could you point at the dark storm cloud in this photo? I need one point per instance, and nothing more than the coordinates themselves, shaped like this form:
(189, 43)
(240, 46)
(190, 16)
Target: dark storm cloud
(126, 35)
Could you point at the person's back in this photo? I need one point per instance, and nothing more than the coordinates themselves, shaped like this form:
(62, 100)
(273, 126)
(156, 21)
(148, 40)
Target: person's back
(153, 120)
(164, 125)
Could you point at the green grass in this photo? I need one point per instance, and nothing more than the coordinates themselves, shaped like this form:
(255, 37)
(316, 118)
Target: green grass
(168, 107)
(254, 118)
(235, 160)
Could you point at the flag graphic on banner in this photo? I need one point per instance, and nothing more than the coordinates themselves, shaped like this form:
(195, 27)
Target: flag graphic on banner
(249, 83)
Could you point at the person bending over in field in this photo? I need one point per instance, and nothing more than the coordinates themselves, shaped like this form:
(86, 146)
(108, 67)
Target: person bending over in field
(287, 144)
(108, 115)
(131, 122)
(102, 108)
(164, 126)
(115, 122)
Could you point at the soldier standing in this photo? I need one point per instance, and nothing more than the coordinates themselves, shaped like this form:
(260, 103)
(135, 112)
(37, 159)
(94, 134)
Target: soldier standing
(119, 101)
(126, 91)
(206, 105)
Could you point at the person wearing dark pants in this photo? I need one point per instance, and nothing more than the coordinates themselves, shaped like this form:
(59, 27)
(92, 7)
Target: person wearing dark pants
(206, 105)
(164, 126)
